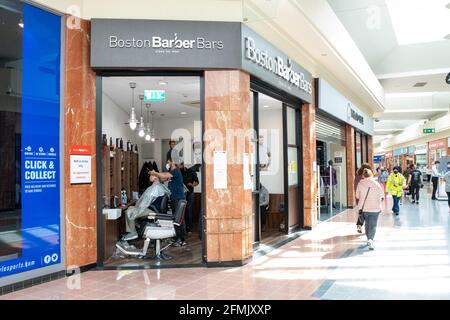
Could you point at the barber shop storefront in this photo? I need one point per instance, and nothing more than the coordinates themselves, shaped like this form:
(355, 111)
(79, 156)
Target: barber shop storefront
(215, 101)
(178, 143)
(342, 144)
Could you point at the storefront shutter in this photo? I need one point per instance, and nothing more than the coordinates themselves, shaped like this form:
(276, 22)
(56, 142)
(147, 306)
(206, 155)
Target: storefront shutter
(329, 130)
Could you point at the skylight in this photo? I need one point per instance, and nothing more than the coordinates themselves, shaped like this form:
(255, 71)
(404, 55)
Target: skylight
(419, 21)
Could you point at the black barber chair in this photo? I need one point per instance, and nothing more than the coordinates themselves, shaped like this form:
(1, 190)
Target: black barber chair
(164, 228)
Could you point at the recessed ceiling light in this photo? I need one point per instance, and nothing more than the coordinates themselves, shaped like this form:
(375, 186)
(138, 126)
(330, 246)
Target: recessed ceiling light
(420, 84)
(163, 83)
(183, 113)
(163, 114)
(266, 106)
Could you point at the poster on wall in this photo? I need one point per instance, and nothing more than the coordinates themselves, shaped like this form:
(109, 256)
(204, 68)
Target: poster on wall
(37, 238)
(220, 170)
(264, 150)
(80, 164)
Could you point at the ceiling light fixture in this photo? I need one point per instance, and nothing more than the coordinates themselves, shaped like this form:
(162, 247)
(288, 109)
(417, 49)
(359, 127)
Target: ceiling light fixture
(147, 129)
(132, 121)
(21, 23)
(141, 121)
(163, 83)
(183, 112)
(266, 106)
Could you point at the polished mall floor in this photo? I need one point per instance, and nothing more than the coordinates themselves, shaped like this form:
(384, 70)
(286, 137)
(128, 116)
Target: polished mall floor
(411, 260)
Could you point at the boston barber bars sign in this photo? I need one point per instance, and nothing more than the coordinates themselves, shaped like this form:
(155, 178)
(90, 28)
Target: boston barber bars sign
(194, 45)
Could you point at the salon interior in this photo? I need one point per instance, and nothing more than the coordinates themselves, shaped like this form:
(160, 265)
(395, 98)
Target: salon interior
(147, 121)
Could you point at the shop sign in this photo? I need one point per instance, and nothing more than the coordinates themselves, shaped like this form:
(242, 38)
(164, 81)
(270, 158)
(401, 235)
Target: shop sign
(420, 149)
(438, 144)
(194, 45)
(80, 164)
(400, 152)
(338, 160)
(377, 159)
(336, 105)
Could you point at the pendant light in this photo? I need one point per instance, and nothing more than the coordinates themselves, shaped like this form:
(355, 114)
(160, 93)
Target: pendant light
(141, 132)
(153, 129)
(132, 121)
(147, 130)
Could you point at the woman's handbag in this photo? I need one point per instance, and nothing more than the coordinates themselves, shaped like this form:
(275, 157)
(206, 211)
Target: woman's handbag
(360, 212)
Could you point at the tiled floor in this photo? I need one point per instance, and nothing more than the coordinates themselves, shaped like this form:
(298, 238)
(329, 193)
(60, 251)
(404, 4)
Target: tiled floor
(411, 260)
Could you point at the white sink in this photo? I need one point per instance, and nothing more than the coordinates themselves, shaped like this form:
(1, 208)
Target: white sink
(112, 214)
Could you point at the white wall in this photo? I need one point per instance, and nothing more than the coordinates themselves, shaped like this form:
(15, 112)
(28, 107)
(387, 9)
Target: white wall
(273, 179)
(113, 122)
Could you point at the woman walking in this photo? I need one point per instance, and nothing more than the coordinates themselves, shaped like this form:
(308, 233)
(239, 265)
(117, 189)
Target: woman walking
(370, 197)
(358, 178)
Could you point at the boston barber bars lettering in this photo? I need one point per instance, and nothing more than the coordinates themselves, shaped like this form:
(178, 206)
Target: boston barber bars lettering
(276, 65)
(157, 42)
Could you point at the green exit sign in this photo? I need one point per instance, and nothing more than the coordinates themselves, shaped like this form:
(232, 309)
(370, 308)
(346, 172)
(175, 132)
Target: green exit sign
(154, 95)
(428, 130)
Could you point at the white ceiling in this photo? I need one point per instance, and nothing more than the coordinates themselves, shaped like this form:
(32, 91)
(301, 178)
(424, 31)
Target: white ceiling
(399, 67)
(180, 91)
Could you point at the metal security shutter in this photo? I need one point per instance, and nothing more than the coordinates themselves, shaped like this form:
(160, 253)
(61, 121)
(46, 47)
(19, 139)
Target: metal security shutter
(329, 130)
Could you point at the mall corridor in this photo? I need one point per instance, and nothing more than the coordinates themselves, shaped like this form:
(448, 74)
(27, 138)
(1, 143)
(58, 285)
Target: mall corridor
(411, 260)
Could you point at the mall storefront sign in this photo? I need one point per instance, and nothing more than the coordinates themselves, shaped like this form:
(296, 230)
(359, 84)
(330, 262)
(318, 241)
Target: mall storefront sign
(336, 105)
(195, 45)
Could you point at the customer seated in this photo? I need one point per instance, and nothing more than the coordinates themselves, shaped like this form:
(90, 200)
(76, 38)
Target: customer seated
(148, 203)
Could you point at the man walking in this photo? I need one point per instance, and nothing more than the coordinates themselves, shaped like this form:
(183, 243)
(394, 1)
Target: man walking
(435, 179)
(415, 183)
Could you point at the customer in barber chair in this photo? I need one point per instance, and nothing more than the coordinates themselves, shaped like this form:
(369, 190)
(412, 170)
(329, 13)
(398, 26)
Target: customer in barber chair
(177, 190)
(150, 198)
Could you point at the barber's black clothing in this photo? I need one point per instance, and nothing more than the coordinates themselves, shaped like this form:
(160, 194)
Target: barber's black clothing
(189, 176)
(169, 155)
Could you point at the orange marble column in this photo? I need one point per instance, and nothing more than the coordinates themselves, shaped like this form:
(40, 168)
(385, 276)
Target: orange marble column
(351, 165)
(229, 216)
(309, 161)
(370, 151)
(79, 129)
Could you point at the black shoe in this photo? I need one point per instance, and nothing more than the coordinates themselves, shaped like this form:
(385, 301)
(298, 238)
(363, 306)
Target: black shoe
(413, 202)
(396, 213)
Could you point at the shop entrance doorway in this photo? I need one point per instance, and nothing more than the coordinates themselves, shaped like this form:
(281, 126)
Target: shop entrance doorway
(277, 193)
(332, 177)
(148, 221)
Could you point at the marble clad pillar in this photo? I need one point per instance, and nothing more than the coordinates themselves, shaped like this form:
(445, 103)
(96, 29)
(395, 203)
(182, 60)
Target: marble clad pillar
(309, 161)
(351, 165)
(79, 129)
(229, 216)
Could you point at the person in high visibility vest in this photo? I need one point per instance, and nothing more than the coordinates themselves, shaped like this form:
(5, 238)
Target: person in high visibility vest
(394, 186)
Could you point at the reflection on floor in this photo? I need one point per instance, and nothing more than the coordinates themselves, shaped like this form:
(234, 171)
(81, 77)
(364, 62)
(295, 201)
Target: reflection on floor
(410, 261)
(191, 254)
(325, 213)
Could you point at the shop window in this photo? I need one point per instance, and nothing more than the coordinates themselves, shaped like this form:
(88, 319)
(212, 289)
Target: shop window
(30, 235)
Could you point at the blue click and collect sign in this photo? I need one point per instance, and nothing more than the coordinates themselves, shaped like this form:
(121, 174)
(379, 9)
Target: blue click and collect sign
(38, 240)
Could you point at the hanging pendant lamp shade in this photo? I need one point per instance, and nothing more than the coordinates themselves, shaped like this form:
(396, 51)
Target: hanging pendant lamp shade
(147, 129)
(141, 132)
(133, 121)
